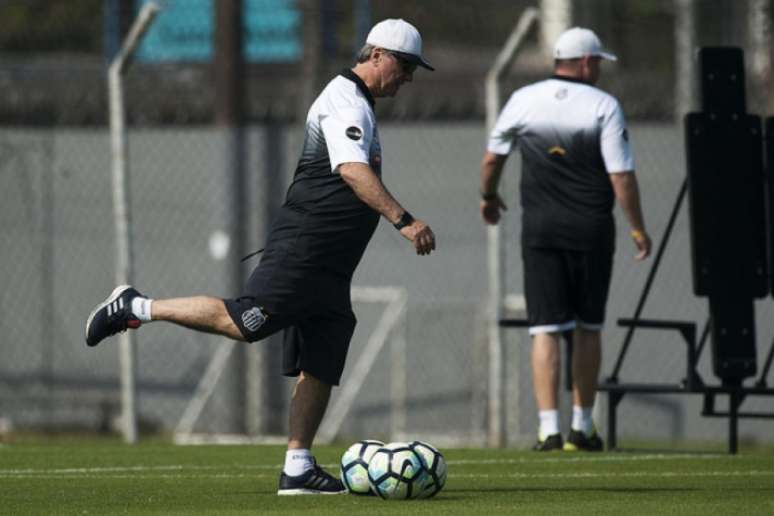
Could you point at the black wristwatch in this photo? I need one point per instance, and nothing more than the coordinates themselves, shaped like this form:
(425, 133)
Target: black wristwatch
(489, 196)
(404, 221)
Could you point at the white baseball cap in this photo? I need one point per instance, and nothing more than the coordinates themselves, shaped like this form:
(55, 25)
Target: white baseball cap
(399, 36)
(578, 42)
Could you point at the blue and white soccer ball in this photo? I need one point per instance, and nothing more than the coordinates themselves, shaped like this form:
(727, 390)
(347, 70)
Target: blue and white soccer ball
(395, 472)
(435, 466)
(354, 466)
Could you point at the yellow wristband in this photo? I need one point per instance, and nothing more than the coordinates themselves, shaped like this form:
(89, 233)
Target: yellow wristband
(637, 234)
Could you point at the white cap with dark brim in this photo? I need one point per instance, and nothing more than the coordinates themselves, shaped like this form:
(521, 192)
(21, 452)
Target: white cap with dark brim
(399, 36)
(578, 42)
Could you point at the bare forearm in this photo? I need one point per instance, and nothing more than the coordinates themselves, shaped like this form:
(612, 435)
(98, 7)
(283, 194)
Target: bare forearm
(627, 194)
(370, 189)
(491, 169)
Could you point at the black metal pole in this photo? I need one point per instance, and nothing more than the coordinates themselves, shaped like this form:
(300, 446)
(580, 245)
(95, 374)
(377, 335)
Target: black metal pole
(733, 421)
(228, 63)
(613, 399)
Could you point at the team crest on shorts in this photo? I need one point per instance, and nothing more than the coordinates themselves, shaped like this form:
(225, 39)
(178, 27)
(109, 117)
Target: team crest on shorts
(253, 318)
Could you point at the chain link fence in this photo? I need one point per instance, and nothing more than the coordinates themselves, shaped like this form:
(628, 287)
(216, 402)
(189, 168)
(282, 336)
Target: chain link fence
(58, 236)
(59, 254)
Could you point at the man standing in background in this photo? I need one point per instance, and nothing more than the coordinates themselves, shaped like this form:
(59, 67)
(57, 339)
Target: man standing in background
(576, 161)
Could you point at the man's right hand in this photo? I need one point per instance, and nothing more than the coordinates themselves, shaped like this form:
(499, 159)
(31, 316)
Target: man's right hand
(490, 209)
(420, 235)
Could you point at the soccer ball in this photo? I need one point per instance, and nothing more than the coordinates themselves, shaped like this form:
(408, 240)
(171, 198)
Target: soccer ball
(354, 466)
(434, 464)
(396, 472)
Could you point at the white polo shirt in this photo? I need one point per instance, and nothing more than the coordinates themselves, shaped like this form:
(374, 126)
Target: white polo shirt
(571, 136)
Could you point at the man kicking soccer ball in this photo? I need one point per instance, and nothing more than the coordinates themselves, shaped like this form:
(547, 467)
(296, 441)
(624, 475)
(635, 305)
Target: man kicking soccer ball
(302, 284)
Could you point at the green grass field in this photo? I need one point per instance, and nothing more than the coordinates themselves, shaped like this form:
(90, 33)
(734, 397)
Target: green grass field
(96, 477)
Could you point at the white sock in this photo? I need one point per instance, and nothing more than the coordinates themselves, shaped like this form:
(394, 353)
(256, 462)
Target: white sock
(297, 462)
(549, 423)
(141, 308)
(581, 419)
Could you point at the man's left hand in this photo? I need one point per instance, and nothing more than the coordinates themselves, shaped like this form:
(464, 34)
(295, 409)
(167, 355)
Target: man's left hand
(420, 234)
(642, 241)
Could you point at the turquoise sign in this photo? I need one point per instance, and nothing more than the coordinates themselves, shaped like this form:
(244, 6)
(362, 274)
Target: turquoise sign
(184, 30)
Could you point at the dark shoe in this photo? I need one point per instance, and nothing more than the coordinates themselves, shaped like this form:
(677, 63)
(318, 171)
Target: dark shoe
(579, 441)
(314, 481)
(550, 443)
(112, 315)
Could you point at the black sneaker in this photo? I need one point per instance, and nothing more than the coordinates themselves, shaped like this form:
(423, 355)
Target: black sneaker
(579, 441)
(113, 315)
(314, 481)
(550, 443)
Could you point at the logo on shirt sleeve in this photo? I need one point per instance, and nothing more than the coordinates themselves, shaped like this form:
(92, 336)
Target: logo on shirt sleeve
(625, 135)
(353, 133)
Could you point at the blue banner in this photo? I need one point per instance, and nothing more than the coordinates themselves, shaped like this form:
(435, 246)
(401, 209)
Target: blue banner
(184, 31)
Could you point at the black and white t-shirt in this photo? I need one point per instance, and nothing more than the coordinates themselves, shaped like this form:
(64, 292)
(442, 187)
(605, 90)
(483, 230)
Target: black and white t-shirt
(323, 223)
(571, 136)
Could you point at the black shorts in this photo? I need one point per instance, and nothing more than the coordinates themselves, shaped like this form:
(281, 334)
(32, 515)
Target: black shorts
(313, 307)
(562, 286)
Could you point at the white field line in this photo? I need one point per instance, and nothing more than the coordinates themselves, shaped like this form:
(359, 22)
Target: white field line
(129, 469)
(114, 476)
(553, 476)
(181, 467)
(583, 457)
(190, 471)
